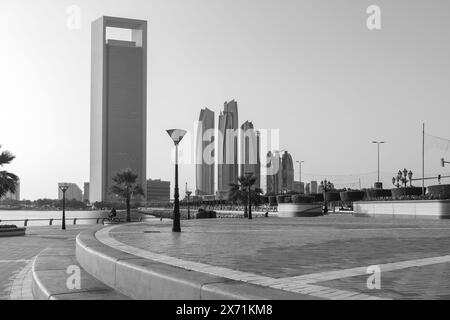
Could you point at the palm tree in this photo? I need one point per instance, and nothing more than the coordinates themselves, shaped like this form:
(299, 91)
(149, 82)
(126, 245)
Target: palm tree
(237, 195)
(8, 181)
(127, 187)
(243, 191)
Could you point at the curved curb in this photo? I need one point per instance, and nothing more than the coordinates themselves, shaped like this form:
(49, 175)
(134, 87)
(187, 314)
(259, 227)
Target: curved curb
(144, 279)
(50, 277)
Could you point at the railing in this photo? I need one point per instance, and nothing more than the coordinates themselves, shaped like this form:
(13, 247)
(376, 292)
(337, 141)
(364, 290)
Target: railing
(75, 220)
(261, 209)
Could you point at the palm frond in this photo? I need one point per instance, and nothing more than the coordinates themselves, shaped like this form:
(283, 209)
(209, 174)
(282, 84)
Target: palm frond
(126, 185)
(8, 183)
(6, 157)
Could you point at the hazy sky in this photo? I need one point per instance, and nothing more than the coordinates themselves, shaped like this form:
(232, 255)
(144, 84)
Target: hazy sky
(309, 68)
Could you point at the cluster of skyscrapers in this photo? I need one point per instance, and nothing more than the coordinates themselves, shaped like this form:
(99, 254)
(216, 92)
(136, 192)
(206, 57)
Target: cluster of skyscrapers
(239, 152)
(119, 126)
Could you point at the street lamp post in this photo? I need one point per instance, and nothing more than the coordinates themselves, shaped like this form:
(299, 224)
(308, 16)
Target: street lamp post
(300, 173)
(176, 135)
(188, 194)
(326, 186)
(379, 185)
(443, 162)
(64, 189)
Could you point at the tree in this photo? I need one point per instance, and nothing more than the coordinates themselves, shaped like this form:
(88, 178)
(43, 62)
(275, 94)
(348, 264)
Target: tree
(242, 191)
(8, 180)
(127, 187)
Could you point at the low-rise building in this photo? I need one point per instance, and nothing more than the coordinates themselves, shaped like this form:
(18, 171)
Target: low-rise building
(158, 191)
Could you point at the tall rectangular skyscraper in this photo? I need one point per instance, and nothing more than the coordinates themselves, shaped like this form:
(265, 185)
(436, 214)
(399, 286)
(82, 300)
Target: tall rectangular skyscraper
(228, 165)
(118, 104)
(205, 154)
(250, 143)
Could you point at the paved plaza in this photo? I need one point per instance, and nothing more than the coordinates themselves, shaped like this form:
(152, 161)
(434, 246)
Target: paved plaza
(325, 257)
(327, 253)
(17, 253)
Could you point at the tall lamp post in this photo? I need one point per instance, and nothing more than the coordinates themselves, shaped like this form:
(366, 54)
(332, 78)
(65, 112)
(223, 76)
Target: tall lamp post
(378, 185)
(177, 135)
(188, 195)
(326, 186)
(443, 162)
(64, 189)
(300, 173)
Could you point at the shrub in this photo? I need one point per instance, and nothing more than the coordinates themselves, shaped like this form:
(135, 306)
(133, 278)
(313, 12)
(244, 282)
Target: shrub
(8, 227)
(439, 192)
(399, 193)
(204, 214)
(376, 194)
(272, 200)
(298, 199)
(333, 196)
(352, 196)
(318, 197)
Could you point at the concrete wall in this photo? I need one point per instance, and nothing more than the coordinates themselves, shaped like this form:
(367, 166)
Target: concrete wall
(437, 209)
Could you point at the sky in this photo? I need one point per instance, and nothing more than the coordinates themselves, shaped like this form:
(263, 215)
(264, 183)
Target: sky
(311, 69)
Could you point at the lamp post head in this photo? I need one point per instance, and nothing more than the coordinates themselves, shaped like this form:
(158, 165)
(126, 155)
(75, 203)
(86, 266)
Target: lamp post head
(64, 188)
(188, 193)
(177, 135)
(410, 175)
(443, 163)
(405, 173)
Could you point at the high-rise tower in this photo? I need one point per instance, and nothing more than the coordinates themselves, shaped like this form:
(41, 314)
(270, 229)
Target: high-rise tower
(118, 104)
(250, 152)
(228, 168)
(205, 157)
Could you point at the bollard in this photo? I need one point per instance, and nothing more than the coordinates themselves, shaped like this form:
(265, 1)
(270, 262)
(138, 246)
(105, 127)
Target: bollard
(50, 222)
(75, 221)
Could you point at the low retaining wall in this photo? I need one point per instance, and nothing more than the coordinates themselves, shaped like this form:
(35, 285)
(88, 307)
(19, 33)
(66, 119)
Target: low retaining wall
(144, 279)
(19, 232)
(294, 210)
(433, 209)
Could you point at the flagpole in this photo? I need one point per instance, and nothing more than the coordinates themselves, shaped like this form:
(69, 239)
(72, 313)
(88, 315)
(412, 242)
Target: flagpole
(423, 160)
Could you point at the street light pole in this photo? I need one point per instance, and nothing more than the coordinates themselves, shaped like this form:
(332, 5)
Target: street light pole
(378, 144)
(176, 135)
(64, 189)
(188, 194)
